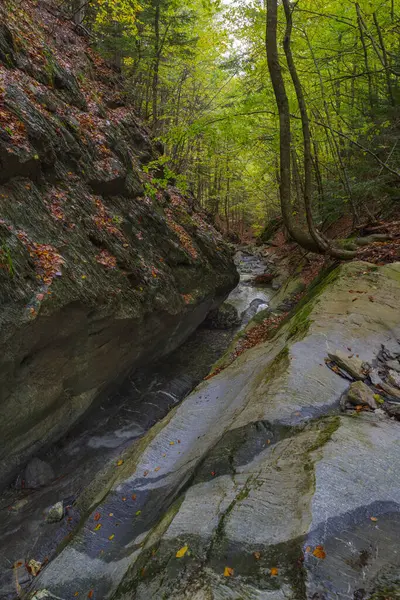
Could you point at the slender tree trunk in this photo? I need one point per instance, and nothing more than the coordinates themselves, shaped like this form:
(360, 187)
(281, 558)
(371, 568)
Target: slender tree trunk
(321, 243)
(385, 61)
(365, 52)
(156, 63)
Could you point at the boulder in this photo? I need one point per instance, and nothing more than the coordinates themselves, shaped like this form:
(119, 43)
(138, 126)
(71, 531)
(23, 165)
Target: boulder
(359, 394)
(37, 473)
(224, 317)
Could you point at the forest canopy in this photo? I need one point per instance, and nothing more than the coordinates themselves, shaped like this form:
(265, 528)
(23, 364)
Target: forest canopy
(198, 73)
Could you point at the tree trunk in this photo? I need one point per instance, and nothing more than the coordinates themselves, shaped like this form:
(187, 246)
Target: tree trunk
(156, 63)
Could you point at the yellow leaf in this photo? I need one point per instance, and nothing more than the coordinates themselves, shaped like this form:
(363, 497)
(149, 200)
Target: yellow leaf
(228, 572)
(98, 526)
(182, 551)
(274, 572)
(157, 468)
(112, 536)
(171, 443)
(120, 462)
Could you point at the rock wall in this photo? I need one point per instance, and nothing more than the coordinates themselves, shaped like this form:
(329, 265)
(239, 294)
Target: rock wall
(100, 269)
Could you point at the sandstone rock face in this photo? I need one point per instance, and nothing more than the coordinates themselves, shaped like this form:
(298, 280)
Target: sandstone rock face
(100, 269)
(275, 494)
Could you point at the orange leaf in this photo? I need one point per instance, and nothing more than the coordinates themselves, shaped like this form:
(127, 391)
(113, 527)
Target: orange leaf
(228, 572)
(90, 594)
(157, 468)
(257, 555)
(134, 496)
(97, 516)
(76, 594)
(373, 519)
(319, 552)
(274, 572)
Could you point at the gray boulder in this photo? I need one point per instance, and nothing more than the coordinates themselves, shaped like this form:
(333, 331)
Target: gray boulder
(359, 394)
(224, 317)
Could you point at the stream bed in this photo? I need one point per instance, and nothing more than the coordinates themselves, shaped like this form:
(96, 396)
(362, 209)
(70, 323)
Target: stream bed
(81, 460)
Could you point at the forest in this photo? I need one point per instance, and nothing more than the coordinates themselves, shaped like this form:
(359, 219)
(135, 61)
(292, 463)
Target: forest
(228, 87)
(199, 299)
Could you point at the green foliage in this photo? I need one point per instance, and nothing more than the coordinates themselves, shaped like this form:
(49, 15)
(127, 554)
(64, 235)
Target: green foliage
(197, 73)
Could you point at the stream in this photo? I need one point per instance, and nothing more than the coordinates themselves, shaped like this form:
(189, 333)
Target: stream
(81, 460)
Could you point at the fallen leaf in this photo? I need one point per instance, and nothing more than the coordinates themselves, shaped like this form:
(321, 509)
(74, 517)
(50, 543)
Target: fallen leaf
(120, 462)
(274, 572)
(373, 519)
(98, 526)
(359, 407)
(134, 496)
(34, 567)
(112, 536)
(76, 594)
(138, 512)
(213, 473)
(172, 443)
(124, 499)
(97, 516)
(228, 572)
(110, 514)
(319, 552)
(268, 441)
(182, 552)
(308, 549)
(179, 441)
(157, 469)
(90, 594)
(257, 555)
(145, 474)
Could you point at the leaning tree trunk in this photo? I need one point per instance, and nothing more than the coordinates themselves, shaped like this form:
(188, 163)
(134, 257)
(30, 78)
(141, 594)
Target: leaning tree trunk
(313, 243)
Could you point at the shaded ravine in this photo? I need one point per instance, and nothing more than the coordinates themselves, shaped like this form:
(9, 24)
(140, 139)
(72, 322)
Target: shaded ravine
(85, 460)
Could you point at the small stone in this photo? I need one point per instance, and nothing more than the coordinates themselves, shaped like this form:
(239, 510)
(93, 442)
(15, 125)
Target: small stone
(37, 474)
(359, 394)
(394, 365)
(393, 410)
(394, 378)
(375, 377)
(390, 390)
(55, 513)
(348, 362)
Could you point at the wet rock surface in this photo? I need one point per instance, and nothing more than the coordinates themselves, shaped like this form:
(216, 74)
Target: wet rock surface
(273, 491)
